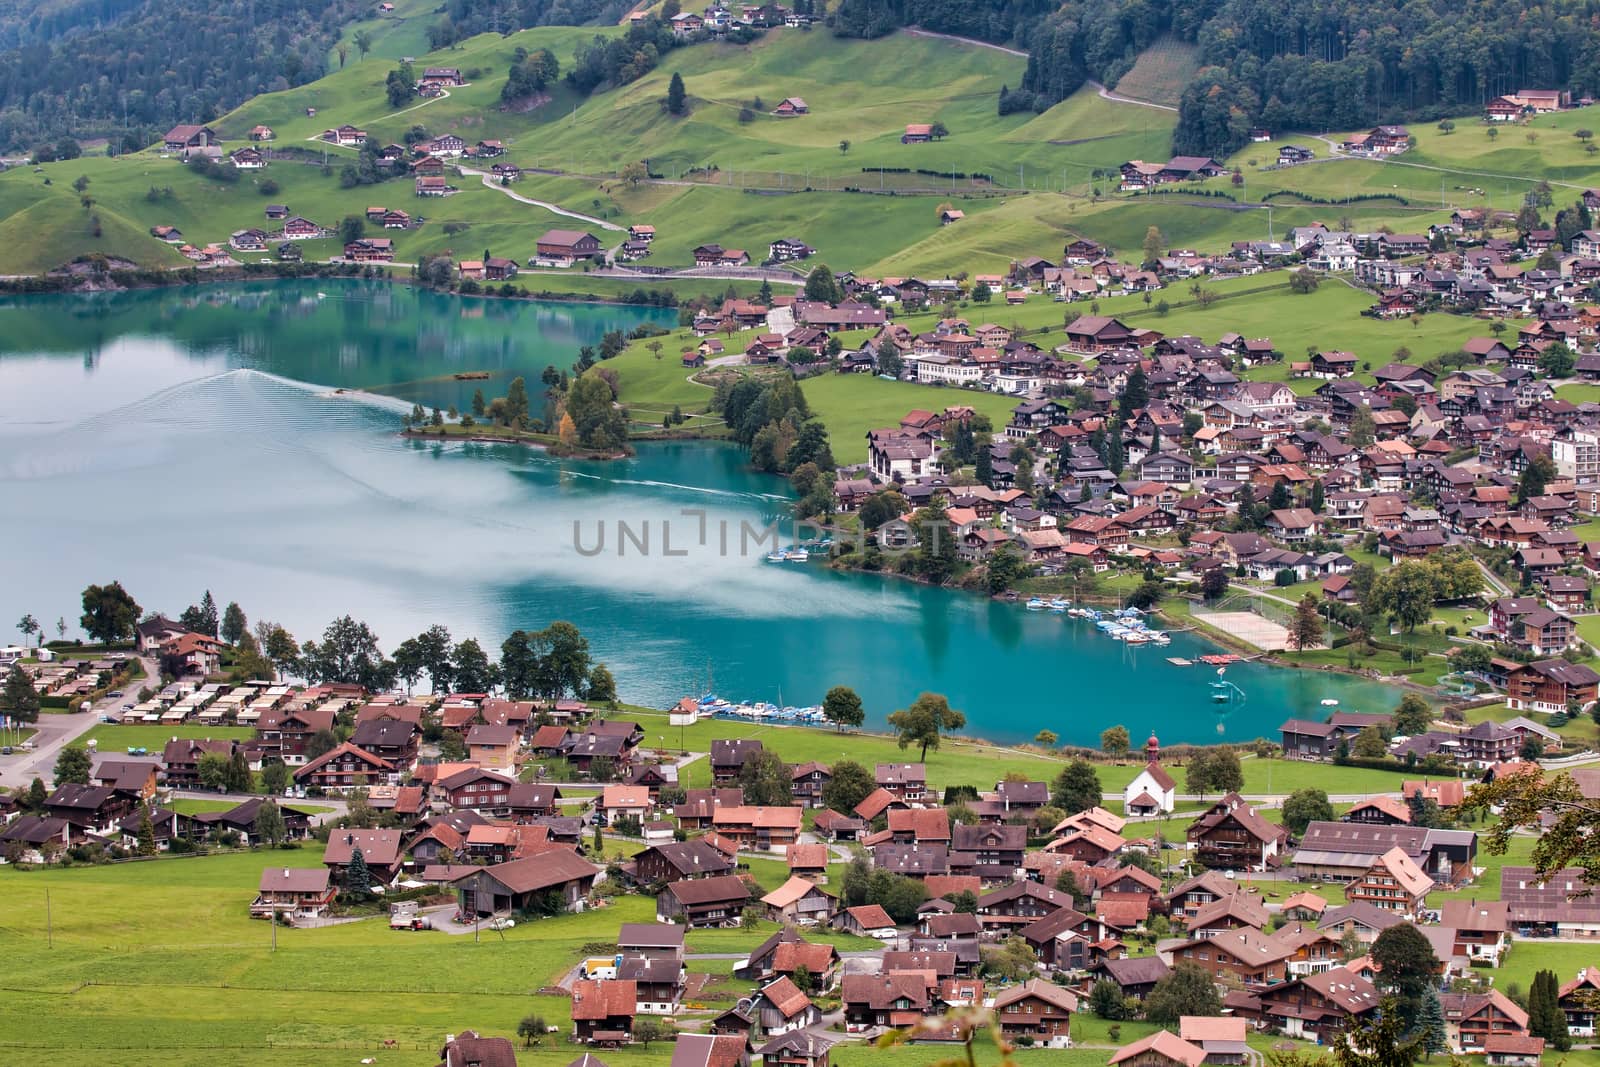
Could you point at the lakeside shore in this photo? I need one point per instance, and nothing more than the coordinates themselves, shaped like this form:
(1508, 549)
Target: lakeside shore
(139, 278)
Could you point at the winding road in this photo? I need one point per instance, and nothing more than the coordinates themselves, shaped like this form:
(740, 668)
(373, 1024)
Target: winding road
(488, 180)
(1107, 94)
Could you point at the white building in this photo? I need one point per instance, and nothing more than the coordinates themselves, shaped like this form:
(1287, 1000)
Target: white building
(946, 370)
(1152, 791)
(1576, 452)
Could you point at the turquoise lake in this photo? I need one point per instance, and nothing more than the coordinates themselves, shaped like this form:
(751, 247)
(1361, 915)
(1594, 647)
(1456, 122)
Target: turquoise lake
(180, 440)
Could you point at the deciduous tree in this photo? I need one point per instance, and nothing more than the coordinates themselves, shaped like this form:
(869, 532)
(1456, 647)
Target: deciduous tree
(842, 707)
(1076, 788)
(1187, 990)
(849, 786)
(1304, 807)
(1406, 965)
(109, 613)
(925, 721)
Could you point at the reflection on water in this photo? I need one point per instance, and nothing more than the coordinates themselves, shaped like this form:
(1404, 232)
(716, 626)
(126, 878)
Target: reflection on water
(174, 463)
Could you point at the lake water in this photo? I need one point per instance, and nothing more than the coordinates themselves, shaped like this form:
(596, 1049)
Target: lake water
(188, 439)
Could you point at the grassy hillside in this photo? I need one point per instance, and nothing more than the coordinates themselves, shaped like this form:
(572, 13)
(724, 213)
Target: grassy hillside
(1161, 72)
(45, 226)
(753, 181)
(391, 35)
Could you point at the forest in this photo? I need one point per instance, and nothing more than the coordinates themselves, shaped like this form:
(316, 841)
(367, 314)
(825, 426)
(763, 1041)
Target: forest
(163, 62)
(1344, 64)
(29, 23)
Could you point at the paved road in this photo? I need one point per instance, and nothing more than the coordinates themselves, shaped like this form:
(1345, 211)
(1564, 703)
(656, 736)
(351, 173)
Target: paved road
(57, 732)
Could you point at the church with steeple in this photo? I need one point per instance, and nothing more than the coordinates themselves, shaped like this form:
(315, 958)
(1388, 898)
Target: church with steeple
(1152, 791)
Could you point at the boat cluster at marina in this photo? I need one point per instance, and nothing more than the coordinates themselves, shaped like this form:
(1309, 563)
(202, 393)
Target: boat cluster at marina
(1123, 624)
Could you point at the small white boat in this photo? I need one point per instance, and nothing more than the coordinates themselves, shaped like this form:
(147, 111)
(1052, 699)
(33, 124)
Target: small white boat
(1330, 703)
(776, 557)
(1035, 604)
(797, 555)
(1059, 604)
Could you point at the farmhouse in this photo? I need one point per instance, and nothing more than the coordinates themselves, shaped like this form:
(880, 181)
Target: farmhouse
(563, 248)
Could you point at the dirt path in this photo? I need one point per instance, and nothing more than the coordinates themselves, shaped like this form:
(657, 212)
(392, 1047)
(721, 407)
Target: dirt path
(914, 32)
(1107, 94)
(489, 182)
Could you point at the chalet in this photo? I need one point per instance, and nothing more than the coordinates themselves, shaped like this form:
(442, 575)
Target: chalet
(891, 999)
(1160, 1049)
(1317, 1006)
(347, 136)
(1342, 852)
(1232, 835)
(905, 781)
(1242, 955)
(603, 1011)
(447, 145)
(292, 893)
(1392, 882)
(248, 159)
(346, 767)
(393, 740)
(432, 185)
(917, 133)
(563, 248)
(1330, 365)
(1471, 1019)
(441, 76)
(703, 902)
(792, 105)
(1551, 685)
(1513, 1050)
(1136, 976)
(1577, 1000)
(679, 861)
(370, 250)
(180, 760)
(1480, 929)
(714, 255)
(261, 133)
(786, 249)
(96, 808)
(728, 759)
(1093, 334)
(796, 1048)
(380, 850)
(475, 789)
(1039, 1010)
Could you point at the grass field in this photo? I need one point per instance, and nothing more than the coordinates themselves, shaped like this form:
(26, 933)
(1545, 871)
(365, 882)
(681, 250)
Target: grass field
(119, 738)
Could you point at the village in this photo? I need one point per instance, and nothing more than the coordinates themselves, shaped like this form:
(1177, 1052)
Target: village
(893, 897)
(1145, 441)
